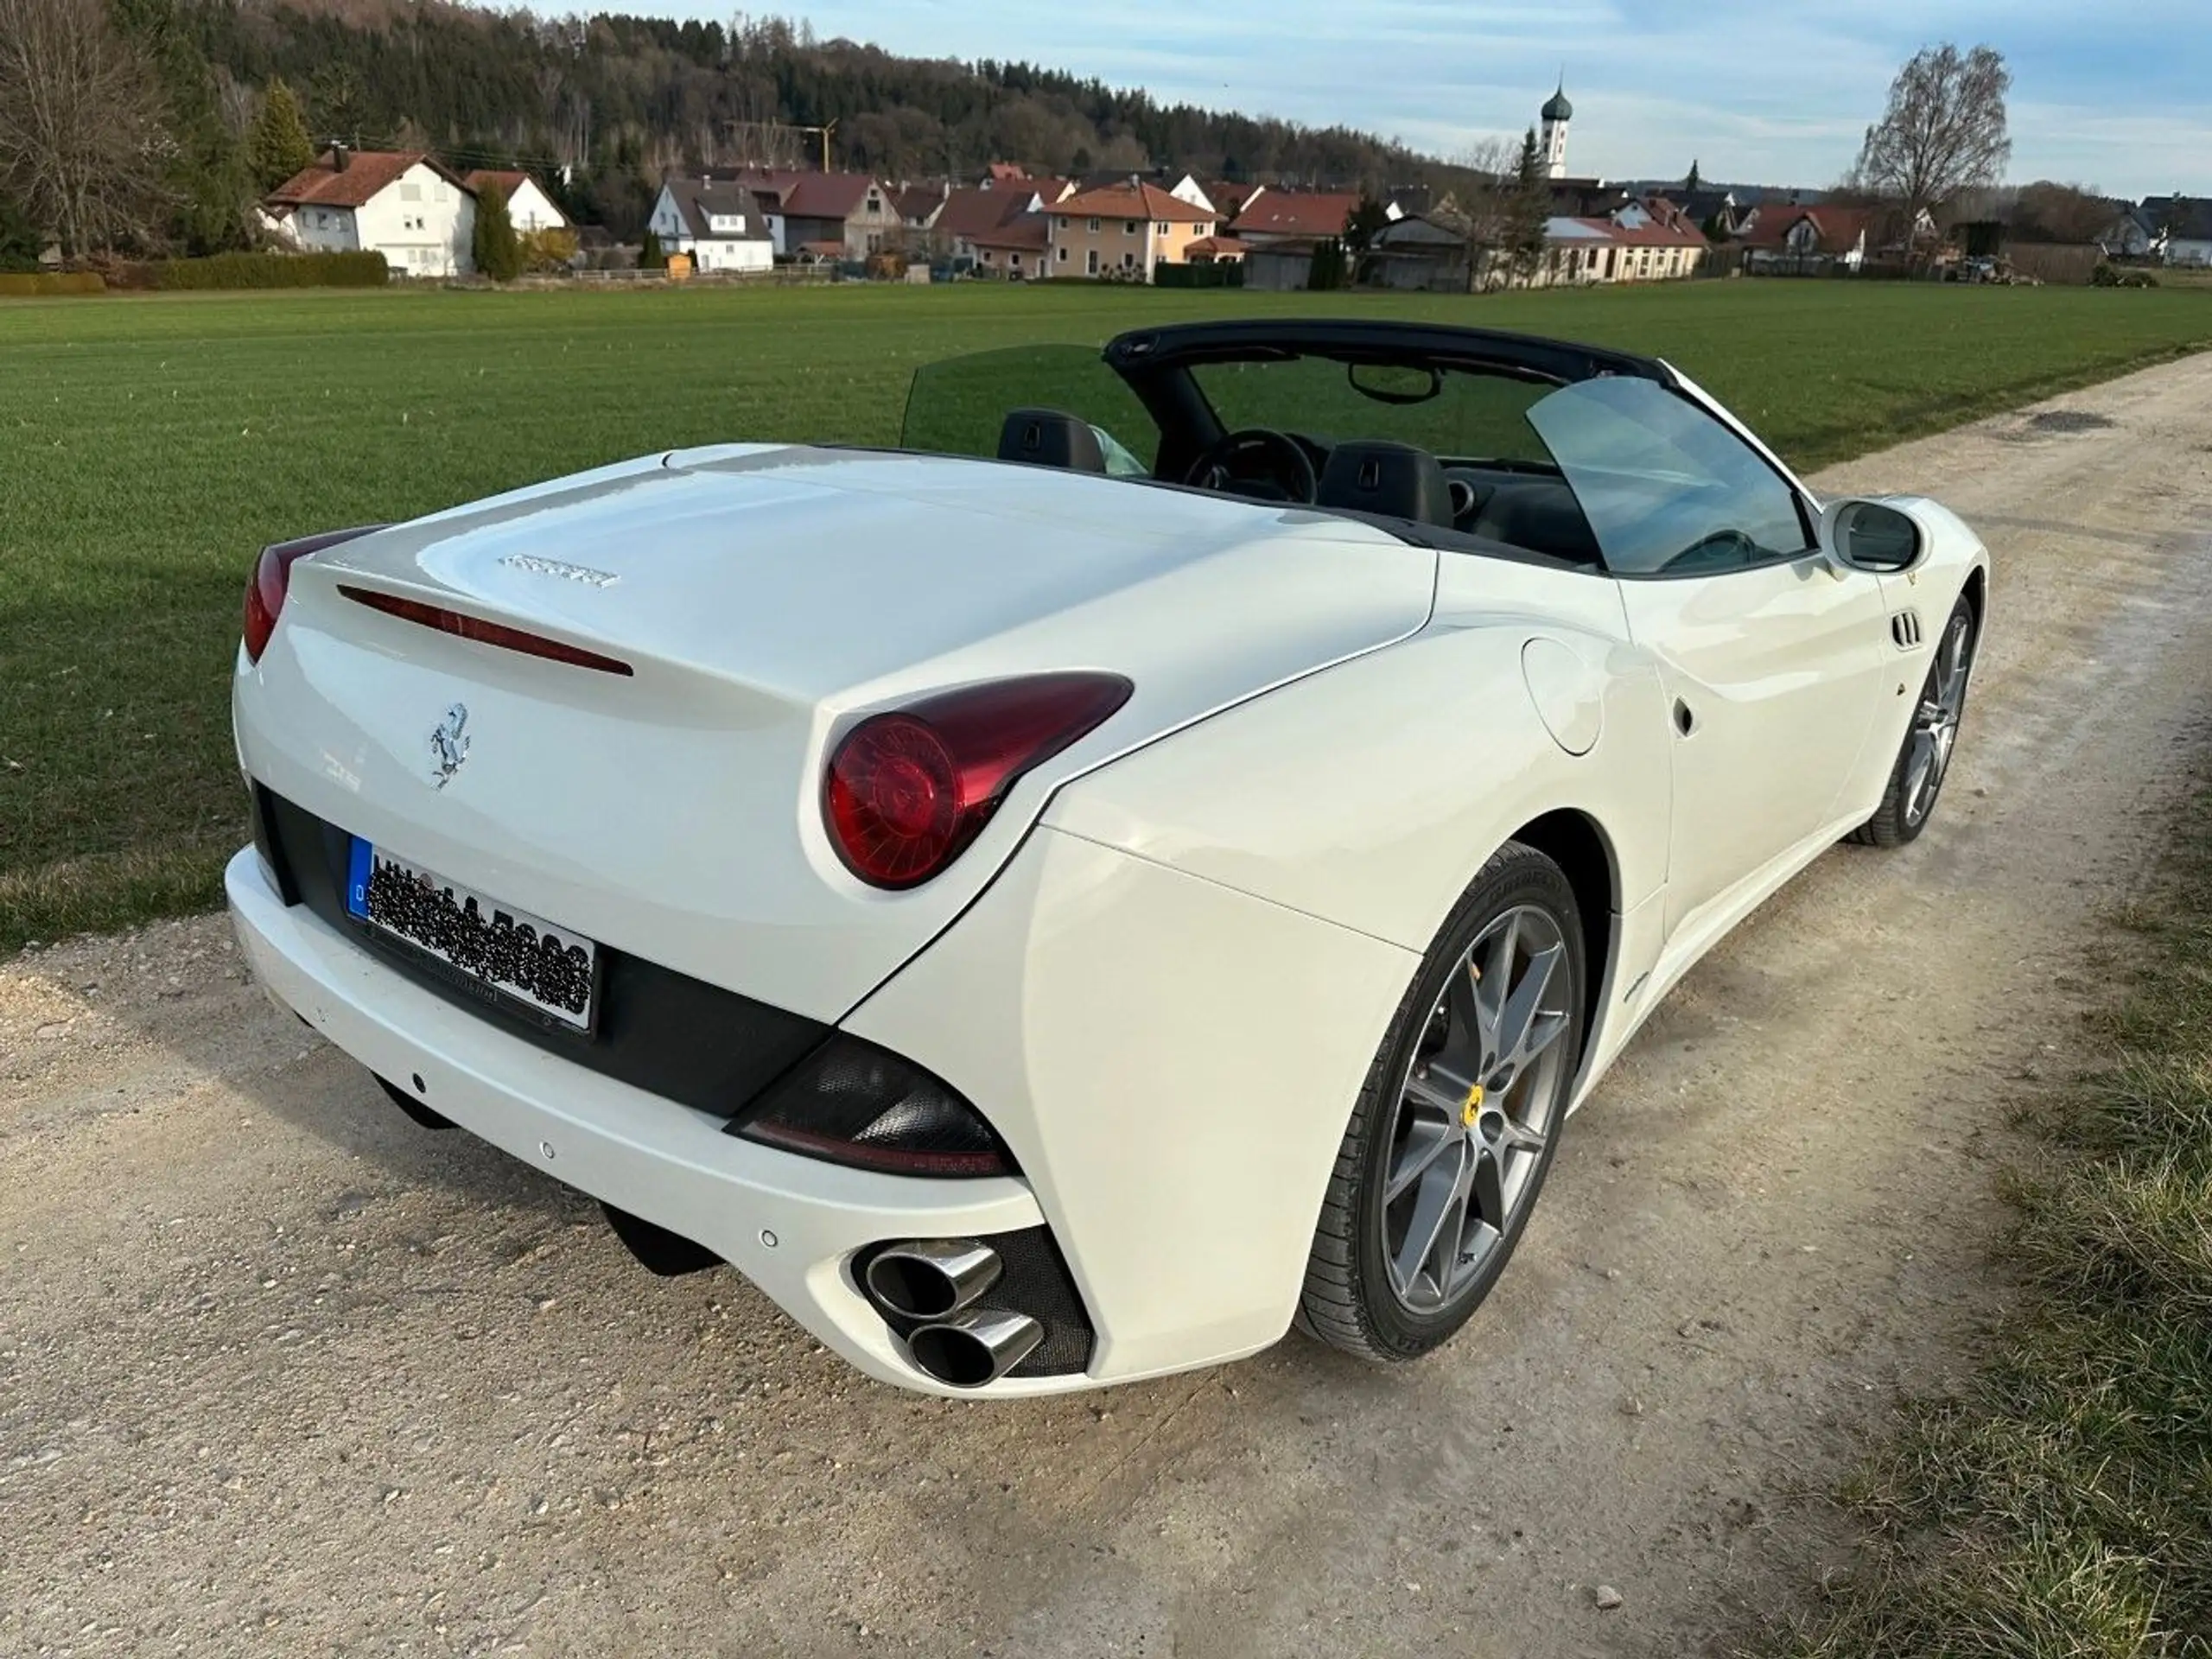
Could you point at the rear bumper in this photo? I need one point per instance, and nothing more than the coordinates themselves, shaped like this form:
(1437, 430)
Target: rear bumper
(638, 1152)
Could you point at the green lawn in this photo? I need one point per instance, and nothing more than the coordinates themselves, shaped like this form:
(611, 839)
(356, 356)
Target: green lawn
(152, 444)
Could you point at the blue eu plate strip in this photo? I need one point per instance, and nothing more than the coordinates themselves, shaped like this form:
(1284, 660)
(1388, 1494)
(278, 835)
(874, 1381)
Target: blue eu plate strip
(357, 879)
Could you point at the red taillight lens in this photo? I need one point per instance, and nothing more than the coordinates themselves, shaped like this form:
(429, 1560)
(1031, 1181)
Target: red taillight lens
(907, 791)
(272, 576)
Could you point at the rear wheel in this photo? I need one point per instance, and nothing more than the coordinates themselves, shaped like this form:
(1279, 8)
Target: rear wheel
(1455, 1130)
(1917, 778)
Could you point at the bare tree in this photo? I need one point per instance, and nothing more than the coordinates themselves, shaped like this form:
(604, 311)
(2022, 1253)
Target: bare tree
(1482, 201)
(80, 142)
(1944, 130)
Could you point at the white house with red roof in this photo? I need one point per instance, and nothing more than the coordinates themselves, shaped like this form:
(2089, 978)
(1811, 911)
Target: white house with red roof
(407, 205)
(1124, 230)
(528, 205)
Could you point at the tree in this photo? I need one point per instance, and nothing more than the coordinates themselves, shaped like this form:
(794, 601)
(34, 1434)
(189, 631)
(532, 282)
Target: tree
(650, 254)
(498, 252)
(1361, 226)
(1945, 130)
(277, 146)
(1529, 213)
(1694, 181)
(80, 147)
(203, 170)
(1327, 269)
(20, 242)
(2061, 213)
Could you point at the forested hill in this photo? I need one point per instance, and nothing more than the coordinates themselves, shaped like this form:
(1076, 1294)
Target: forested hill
(618, 98)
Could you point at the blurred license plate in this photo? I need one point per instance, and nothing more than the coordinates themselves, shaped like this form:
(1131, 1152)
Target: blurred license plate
(549, 970)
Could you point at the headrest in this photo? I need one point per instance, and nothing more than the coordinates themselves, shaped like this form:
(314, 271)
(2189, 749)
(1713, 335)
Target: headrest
(1048, 437)
(1394, 480)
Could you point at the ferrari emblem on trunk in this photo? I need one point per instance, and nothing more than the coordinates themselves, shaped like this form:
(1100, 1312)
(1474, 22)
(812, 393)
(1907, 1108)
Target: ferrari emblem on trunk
(449, 744)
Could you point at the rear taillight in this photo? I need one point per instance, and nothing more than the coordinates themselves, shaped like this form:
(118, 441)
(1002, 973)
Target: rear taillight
(272, 578)
(907, 791)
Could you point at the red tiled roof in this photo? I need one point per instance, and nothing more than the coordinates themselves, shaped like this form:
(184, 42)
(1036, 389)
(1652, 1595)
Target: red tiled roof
(1132, 201)
(823, 250)
(1023, 232)
(970, 212)
(367, 172)
(508, 182)
(1219, 247)
(827, 195)
(1000, 172)
(1283, 212)
(917, 200)
(1837, 229)
(1227, 198)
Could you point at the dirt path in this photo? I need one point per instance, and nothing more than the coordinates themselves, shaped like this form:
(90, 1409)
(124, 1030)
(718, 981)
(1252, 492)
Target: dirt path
(281, 1372)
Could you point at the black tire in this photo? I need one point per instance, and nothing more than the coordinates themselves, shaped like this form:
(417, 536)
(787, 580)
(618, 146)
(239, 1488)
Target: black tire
(1350, 1301)
(1906, 808)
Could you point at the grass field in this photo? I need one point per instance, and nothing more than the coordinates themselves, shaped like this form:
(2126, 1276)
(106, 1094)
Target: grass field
(151, 444)
(2061, 1508)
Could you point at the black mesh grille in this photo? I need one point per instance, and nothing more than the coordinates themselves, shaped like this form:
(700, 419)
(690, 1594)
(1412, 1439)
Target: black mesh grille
(1034, 1281)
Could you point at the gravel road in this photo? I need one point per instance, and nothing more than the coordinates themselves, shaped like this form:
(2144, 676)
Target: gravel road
(281, 1372)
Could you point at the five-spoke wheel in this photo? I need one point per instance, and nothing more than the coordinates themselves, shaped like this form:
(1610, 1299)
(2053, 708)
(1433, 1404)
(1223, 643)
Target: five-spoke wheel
(1925, 759)
(1448, 1147)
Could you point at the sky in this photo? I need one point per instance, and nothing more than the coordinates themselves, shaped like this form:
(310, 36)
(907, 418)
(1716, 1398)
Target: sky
(2115, 93)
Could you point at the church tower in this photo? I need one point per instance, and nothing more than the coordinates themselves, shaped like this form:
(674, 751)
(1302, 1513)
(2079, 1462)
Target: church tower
(1558, 113)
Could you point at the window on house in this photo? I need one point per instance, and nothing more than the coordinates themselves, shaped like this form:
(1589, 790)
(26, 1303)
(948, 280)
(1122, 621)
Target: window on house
(1064, 256)
(1128, 227)
(1017, 262)
(1162, 227)
(411, 193)
(1093, 225)
(1129, 262)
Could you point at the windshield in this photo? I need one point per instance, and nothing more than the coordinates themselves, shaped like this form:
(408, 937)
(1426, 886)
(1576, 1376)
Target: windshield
(1454, 414)
(960, 407)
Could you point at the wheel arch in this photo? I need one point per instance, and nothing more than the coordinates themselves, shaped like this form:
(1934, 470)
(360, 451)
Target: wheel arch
(1576, 842)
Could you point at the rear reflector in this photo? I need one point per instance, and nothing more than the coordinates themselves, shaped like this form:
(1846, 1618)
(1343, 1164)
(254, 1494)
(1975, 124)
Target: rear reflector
(483, 633)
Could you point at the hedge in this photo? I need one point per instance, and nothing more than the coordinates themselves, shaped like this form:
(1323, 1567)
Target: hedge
(277, 270)
(22, 284)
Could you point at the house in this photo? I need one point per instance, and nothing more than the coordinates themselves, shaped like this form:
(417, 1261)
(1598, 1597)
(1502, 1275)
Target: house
(975, 216)
(1640, 246)
(1124, 230)
(416, 212)
(839, 216)
(1229, 198)
(1783, 240)
(918, 207)
(2130, 235)
(1215, 249)
(528, 206)
(2180, 229)
(1020, 245)
(1294, 216)
(718, 222)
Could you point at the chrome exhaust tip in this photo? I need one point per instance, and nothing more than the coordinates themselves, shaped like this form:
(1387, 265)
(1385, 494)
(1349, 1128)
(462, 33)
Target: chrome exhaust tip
(975, 1347)
(931, 1279)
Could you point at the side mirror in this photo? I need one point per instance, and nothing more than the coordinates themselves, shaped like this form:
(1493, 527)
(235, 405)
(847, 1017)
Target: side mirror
(1872, 535)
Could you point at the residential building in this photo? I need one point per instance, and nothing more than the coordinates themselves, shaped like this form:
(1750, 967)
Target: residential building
(1294, 216)
(1783, 240)
(528, 206)
(976, 216)
(1124, 230)
(2180, 229)
(718, 222)
(404, 204)
(839, 216)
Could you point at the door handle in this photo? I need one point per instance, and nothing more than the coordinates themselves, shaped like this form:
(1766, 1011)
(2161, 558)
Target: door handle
(1684, 721)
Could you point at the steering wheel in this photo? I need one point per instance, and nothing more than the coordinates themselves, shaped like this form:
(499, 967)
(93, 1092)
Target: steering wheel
(1257, 461)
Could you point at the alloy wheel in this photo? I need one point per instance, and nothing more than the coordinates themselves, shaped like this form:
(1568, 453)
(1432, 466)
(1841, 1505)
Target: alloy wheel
(1477, 1106)
(1935, 722)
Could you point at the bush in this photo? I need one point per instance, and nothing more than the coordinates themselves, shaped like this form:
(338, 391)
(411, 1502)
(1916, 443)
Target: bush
(2114, 276)
(276, 271)
(553, 250)
(24, 284)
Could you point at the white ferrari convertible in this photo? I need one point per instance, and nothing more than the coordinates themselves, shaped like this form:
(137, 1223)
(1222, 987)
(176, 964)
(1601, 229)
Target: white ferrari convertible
(1153, 861)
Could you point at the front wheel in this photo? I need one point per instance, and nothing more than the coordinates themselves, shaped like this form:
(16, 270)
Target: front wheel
(1456, 1127)
(1925, 759)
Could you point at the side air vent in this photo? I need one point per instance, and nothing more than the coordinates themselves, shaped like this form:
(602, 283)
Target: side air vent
(1904, 628)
